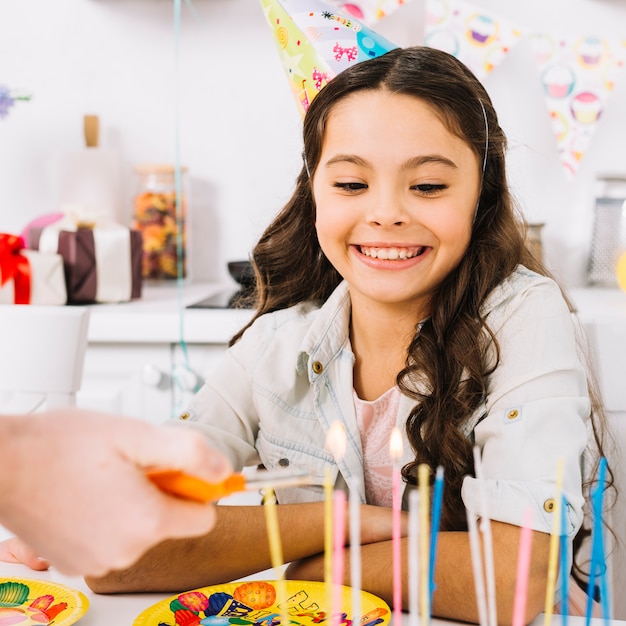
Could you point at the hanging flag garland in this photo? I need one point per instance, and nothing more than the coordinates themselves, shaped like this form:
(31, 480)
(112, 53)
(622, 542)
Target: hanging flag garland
(478, 38)
(577, 76)
(369, 11)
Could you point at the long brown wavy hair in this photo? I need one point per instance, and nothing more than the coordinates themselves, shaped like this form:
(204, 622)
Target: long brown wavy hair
(450, 353)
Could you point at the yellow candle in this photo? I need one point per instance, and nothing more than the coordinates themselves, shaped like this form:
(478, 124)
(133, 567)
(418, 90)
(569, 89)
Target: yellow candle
(553, 557)
(276, 549)
(423, 475)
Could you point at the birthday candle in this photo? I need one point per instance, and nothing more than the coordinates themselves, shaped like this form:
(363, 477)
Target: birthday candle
(414, 503)
(395, 451)
(477, 567)
(423, 480)
(328, 535)
(564, 564)
(434, 529)
(553, 556)
(523, 570)
(355, 549)
(336, 444)
(339, 540)
(485, 528)
(598, 560)
(276, 550)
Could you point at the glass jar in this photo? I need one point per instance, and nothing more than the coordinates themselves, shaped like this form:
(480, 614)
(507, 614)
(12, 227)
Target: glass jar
(162, 224)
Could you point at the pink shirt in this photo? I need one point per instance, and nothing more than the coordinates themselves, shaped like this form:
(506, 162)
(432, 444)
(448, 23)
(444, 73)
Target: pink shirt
(376, 420)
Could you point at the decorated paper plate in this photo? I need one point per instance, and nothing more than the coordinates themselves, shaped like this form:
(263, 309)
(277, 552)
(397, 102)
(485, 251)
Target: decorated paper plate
(25, 602)
(260, 603)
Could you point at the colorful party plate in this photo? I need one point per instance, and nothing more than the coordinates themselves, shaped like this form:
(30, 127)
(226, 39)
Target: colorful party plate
(260, 603)
(25, 602)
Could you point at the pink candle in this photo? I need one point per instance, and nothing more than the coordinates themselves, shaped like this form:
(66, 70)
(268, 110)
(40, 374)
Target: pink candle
(339, 540)
(395, 451)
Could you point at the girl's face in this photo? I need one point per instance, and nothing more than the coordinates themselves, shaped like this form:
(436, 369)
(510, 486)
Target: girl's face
(395, 196)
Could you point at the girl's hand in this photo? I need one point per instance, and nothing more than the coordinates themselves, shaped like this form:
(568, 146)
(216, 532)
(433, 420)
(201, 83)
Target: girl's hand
(14, 550)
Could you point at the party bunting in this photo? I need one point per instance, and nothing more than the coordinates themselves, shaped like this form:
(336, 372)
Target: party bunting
(316, 42)
(369, 11)
(577, 76)
(479, 39)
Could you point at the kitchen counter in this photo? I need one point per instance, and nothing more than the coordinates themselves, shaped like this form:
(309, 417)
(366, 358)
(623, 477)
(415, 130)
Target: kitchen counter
(155, 317)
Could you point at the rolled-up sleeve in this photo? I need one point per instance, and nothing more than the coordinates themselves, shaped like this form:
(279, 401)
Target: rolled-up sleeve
(536, 412)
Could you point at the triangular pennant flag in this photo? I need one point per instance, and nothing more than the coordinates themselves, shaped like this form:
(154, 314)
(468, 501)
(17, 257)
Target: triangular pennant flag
(577, 76)
(316, 42)
(478, 38)
(369, 11)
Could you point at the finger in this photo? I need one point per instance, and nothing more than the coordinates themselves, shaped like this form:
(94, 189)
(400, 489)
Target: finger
(181, 448)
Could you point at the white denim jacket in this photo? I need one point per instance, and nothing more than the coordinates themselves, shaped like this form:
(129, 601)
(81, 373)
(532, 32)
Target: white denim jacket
(279, 388)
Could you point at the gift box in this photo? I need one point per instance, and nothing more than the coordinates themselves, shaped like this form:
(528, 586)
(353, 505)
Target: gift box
(101, 264)
(29, 277)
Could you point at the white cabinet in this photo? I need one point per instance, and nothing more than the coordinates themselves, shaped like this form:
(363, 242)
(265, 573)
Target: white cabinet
(134, 363)
(129, 379)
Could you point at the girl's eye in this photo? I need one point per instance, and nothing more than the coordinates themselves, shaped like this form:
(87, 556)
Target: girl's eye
(350, 186)
(428, 188)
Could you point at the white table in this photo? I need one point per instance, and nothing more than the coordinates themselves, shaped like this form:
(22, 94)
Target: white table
(122, 609)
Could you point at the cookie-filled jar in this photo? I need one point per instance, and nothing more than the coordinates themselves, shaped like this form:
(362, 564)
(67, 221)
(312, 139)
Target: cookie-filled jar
(162, 220)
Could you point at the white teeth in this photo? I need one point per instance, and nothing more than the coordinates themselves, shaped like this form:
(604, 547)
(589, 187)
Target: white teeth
(391, 254)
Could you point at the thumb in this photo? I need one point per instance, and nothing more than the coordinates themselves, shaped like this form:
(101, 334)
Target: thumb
(181, 448)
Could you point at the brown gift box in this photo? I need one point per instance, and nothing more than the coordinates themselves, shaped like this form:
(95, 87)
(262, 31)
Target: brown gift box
(78, 249)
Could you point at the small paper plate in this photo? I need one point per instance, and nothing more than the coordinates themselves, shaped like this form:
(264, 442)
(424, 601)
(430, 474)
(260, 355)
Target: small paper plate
(255, 602)
(25, 602)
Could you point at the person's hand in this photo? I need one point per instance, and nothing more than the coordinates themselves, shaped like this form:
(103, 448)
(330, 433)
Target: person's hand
(75, 491)
(14, 550)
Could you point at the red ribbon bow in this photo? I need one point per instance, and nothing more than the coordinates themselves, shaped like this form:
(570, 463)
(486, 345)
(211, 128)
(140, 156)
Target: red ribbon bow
(15, 266)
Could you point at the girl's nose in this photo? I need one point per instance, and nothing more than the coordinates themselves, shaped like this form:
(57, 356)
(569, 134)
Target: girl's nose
(387, 210)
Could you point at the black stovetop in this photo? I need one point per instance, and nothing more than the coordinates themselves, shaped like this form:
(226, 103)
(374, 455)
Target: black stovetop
(225, 299)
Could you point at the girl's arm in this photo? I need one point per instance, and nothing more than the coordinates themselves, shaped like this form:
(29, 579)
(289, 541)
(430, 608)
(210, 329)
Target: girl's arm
(237, 546)
(454, 596)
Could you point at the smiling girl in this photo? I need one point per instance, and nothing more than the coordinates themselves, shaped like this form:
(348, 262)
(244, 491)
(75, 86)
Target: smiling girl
(395, 289)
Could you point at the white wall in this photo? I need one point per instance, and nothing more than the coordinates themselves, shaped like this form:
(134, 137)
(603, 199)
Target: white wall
(239, 129)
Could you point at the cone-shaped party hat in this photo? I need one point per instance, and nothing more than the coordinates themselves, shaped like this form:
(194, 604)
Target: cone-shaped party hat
(316, 42)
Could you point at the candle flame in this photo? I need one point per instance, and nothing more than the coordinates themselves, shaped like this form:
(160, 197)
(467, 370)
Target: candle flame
(336, 440)
(395, 445)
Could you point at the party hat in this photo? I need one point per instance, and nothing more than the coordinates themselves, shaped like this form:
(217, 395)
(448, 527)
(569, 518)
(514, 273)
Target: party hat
(316, 42)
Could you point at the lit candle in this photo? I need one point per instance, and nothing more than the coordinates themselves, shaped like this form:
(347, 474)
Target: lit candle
(414, 503)
(395, 452)
(355, 548)
(339, 539)
(523, 570)
(335, 521)
(328, 537)
(423, 481)
(485, 528)
(553, 556)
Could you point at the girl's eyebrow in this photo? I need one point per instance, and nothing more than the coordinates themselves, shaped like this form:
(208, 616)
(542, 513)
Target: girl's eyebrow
(410, 163)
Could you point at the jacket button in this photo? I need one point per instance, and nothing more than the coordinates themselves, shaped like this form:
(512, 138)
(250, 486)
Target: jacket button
(184, 416)
(318, 368)
(283, 462)
(549, 505)
(512, 414)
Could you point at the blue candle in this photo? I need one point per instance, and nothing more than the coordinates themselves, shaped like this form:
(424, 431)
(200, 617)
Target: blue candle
(434, 528)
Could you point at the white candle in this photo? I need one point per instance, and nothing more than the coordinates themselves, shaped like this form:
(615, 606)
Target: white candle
(485, 528)
(414, 505)
(395, 451)
(355, 548)
(336, 445)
